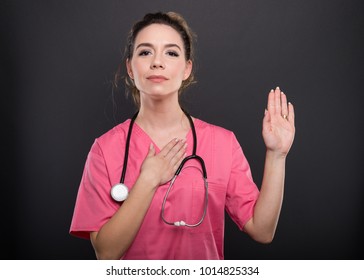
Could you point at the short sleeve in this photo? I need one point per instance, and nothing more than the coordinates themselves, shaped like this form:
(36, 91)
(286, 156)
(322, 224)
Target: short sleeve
(93, 207)
(242, 192)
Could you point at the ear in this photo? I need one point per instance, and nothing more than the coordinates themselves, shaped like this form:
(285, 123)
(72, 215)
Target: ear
(128, 68)
(188, 70)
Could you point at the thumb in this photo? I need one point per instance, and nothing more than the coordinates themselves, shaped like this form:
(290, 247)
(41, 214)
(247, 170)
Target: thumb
(151, 151)
(266, 119)
(266, 115)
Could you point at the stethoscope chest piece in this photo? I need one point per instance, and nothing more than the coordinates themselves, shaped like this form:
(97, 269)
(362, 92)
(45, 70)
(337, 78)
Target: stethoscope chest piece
(119, 192)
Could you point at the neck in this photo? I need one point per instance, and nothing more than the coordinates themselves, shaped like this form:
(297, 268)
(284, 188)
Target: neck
(161, 116)
(162, 120)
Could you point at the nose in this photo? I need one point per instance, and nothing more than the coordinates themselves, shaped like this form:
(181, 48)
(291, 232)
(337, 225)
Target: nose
(157, 63)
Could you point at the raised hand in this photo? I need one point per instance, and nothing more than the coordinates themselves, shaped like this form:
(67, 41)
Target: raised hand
(278, 123)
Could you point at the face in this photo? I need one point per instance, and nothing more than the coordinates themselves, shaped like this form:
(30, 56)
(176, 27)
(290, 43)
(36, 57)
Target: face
(158, 65)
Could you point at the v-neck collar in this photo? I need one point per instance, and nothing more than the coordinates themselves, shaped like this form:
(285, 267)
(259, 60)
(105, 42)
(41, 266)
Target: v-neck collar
(141, 133)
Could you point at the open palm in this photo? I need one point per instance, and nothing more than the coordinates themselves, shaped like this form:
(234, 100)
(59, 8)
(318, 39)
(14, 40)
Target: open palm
(278, 123)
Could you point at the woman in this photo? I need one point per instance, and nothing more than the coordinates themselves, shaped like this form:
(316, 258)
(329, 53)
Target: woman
(182, 218)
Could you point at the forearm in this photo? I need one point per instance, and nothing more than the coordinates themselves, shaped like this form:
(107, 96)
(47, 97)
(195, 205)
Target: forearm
(278, 134)
(269, 203)
(115, 237)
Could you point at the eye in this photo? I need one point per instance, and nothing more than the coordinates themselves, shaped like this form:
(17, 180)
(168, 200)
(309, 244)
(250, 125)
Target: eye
(172, 53)
(144, 53)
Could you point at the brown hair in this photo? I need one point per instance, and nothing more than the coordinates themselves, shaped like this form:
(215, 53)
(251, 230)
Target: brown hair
(171, 19)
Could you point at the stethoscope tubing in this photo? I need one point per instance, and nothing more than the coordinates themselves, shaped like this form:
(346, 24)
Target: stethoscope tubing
(119, 192)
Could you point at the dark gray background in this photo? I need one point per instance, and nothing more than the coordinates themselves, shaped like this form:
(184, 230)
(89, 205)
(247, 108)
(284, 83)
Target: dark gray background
(57, 61)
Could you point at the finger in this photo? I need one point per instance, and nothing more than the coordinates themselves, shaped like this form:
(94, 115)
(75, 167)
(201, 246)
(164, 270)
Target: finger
(277, 101)
(178, 163)
(284, 105)
(164, 152)
(179, 156)
(291, 115)
(175, 149)
(271, 104)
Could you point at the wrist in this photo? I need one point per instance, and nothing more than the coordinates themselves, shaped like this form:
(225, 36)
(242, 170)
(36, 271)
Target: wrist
(147, 180)
(274, 155)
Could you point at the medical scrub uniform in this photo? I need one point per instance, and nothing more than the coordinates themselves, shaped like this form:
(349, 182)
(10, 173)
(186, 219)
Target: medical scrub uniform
(230, 188)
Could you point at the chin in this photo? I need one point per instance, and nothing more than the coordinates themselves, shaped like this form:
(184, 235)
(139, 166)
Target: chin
(161, 93)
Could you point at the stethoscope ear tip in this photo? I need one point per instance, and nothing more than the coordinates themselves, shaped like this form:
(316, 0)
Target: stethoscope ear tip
(119, 192)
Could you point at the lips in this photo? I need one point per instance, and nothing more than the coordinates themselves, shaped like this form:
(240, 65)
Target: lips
(157, 78)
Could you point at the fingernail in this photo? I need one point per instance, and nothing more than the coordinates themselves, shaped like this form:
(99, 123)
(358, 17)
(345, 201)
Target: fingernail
(277, 88)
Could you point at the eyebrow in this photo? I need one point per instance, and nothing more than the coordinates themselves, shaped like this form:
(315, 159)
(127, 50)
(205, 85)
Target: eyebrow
(151, 45)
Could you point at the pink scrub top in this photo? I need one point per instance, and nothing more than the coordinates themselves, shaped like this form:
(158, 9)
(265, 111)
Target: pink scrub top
(230, 188)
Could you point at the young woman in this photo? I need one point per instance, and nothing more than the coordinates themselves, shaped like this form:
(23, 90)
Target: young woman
(166, 216)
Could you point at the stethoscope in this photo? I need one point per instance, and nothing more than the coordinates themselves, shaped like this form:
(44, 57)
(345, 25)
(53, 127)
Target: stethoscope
(120, 191)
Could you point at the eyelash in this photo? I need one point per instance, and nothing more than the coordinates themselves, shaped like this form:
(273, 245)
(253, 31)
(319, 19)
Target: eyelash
(170, 53)
(144, 53)
(173, 53)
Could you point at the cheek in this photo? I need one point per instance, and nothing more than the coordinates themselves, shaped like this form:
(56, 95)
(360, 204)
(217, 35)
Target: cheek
(136, 68)
(179, 71)
(138, 71)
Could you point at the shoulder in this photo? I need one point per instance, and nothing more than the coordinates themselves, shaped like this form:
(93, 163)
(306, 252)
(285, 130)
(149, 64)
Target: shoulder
(216, 135)
(112, 137)
(204, 127)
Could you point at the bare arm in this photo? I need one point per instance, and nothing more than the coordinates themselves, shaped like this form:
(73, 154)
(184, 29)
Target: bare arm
(115, 237)
(278, 133)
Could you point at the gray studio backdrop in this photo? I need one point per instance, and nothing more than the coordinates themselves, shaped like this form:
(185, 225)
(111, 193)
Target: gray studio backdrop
(58, 59)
